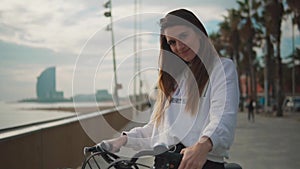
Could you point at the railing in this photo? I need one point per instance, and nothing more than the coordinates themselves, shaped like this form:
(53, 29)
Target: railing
(58, 144)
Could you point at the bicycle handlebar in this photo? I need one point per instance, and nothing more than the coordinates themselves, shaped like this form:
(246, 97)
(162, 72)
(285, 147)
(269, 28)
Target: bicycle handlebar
(168, 159)
(162, 154)
(97, 148)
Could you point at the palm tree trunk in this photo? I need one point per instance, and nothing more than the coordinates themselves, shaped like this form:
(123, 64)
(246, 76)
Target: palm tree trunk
(240, 88)
(247, 83)
(255, 89)
(251, 67)
(279, 88)
(267, 71)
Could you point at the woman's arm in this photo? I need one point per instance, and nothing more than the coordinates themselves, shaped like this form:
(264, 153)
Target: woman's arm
(224, 107)
(219, 133)
(139, 137)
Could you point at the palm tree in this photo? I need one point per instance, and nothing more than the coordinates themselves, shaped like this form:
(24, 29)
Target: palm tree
(215, 38)
(291, 64)
(294, 9)
(225, 31)
(230, 38)
(239, 36)
(234, 20)
(263, 21)
(274, 13)
(250, 36)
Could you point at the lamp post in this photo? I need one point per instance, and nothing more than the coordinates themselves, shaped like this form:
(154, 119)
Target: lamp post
(135, 98)
(109, 14)
(137, 59)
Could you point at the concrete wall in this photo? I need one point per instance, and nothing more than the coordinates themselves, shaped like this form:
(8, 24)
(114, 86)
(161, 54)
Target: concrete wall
(55, 145)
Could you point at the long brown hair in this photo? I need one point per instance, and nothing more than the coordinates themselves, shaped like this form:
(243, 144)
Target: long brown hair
(170, 68)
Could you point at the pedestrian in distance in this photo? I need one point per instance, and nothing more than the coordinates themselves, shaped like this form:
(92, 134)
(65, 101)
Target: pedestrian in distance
(197, 100)
(251, 110)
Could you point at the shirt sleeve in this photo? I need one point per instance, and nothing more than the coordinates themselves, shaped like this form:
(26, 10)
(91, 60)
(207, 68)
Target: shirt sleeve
(224, 106)
(139, 137)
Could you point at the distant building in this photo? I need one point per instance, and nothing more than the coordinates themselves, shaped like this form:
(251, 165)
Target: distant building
(84, 98)
(46, 86)
(103, 95)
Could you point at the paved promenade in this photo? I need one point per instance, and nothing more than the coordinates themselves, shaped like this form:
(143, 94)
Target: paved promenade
(268, 143)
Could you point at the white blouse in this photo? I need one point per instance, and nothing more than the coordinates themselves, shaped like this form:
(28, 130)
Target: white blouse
(215, 119)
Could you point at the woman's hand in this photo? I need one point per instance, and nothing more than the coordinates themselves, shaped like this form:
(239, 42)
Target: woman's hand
(194, 157)
(115, 144)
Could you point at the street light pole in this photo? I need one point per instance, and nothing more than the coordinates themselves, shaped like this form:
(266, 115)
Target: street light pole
(109, 14)
(135, 54)
(137, 59)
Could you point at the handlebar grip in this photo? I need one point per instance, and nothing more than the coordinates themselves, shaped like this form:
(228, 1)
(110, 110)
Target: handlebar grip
(97, 148)
(89, 149)
(104, 146)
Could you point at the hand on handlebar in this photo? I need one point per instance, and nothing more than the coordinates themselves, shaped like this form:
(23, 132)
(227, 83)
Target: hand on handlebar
(114, 145)
(195, 156)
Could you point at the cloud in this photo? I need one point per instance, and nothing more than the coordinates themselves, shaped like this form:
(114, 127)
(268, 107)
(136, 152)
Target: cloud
(77, 27)
(19, 82)
(57, 25)
(66, 25)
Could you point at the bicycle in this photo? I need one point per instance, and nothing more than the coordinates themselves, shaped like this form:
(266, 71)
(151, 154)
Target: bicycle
(169, 159)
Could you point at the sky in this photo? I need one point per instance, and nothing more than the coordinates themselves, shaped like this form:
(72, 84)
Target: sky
(72, 36)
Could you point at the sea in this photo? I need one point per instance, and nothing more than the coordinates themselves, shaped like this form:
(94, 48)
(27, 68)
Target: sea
(20, 114)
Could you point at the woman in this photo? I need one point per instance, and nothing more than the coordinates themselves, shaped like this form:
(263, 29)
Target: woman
(197, 101)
